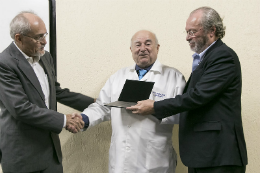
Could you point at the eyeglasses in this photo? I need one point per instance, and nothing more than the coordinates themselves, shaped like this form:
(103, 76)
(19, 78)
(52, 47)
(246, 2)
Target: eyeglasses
(38, 38)
(191, 33)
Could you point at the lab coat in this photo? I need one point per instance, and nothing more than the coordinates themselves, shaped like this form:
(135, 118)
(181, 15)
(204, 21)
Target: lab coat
(139, 144)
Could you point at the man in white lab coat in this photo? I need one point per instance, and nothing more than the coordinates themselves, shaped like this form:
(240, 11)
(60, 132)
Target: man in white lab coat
(139, 144)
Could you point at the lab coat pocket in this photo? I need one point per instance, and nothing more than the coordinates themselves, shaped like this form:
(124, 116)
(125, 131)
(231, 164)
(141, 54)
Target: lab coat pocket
(159, 154)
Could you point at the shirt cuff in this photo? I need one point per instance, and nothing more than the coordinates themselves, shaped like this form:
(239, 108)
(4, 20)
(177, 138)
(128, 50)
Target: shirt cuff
(86, 120)
(64, 123)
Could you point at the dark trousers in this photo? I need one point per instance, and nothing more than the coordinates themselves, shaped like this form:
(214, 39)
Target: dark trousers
(219, 169)
(54, 167)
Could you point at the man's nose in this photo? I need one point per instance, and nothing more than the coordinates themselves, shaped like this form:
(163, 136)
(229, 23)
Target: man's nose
(43, 41)
(188, 37)
(142, 47)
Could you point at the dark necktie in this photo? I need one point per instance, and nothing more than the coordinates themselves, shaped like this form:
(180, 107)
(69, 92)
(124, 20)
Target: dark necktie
(141, 73)
(195, 63)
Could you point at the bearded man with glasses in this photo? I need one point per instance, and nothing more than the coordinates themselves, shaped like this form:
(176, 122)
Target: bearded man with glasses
(211, 137)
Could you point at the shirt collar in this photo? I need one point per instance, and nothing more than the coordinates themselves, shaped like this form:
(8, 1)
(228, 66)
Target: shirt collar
(31, 60)
(157, 67)
(147, 68)
(202, 53)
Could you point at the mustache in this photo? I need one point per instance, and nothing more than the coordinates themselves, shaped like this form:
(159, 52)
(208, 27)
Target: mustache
(143, 54)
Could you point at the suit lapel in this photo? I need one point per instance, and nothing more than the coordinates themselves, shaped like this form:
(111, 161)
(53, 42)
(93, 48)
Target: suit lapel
(217, 44)
(26, 68)
(204, 57)
(187, 84)
(46, 66)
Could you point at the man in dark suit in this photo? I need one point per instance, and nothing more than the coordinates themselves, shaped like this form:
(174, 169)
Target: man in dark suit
(211, 135)
(29, 123)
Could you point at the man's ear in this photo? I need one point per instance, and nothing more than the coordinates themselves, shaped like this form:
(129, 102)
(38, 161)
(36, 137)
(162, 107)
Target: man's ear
(158, 46)
(18, 38)
(212, 31)
(131, 49)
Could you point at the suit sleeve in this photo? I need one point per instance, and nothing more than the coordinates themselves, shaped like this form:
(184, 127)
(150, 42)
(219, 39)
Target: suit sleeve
(178, 90)
(217, 76)
(18, 105)
(72, 99)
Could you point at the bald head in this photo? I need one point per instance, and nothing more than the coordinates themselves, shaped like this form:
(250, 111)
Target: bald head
(144, 31)
(33, 19)
(28, 31)
(144, 48)
(21, 23)
(37, 25)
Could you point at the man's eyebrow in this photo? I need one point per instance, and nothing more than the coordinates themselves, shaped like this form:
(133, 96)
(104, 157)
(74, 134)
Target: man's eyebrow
(136, 41)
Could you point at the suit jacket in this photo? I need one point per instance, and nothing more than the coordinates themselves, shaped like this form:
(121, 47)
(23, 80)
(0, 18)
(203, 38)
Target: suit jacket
(210, 131)
(28, 129)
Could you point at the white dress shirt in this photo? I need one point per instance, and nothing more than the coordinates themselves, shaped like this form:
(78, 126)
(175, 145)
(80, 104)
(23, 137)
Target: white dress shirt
(42, 77)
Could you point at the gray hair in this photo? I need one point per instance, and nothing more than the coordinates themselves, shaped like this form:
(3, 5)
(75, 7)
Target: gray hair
(211, 18)
(20, 24)
(156, 40)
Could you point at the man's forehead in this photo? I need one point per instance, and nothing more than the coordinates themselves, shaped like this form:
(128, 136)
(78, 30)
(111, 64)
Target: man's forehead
(193, 23)
(195, 18)
(143, 34)
(38, 26)
(142, 40)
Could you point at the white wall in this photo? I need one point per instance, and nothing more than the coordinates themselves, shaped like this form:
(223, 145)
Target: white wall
(93, 42)
(10, 8)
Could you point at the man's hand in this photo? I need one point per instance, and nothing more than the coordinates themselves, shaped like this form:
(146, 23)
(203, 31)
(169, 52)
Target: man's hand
(144, 107)
(74, 122)
(74, 115)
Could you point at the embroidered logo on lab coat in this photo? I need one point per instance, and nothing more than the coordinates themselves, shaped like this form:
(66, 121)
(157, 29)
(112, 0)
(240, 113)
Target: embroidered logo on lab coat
(155, 94)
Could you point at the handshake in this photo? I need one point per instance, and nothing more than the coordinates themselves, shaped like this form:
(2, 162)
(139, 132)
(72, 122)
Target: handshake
(74, 122)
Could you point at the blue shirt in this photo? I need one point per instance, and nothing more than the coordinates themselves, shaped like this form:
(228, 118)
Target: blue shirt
(137, 68)
(202, 53)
